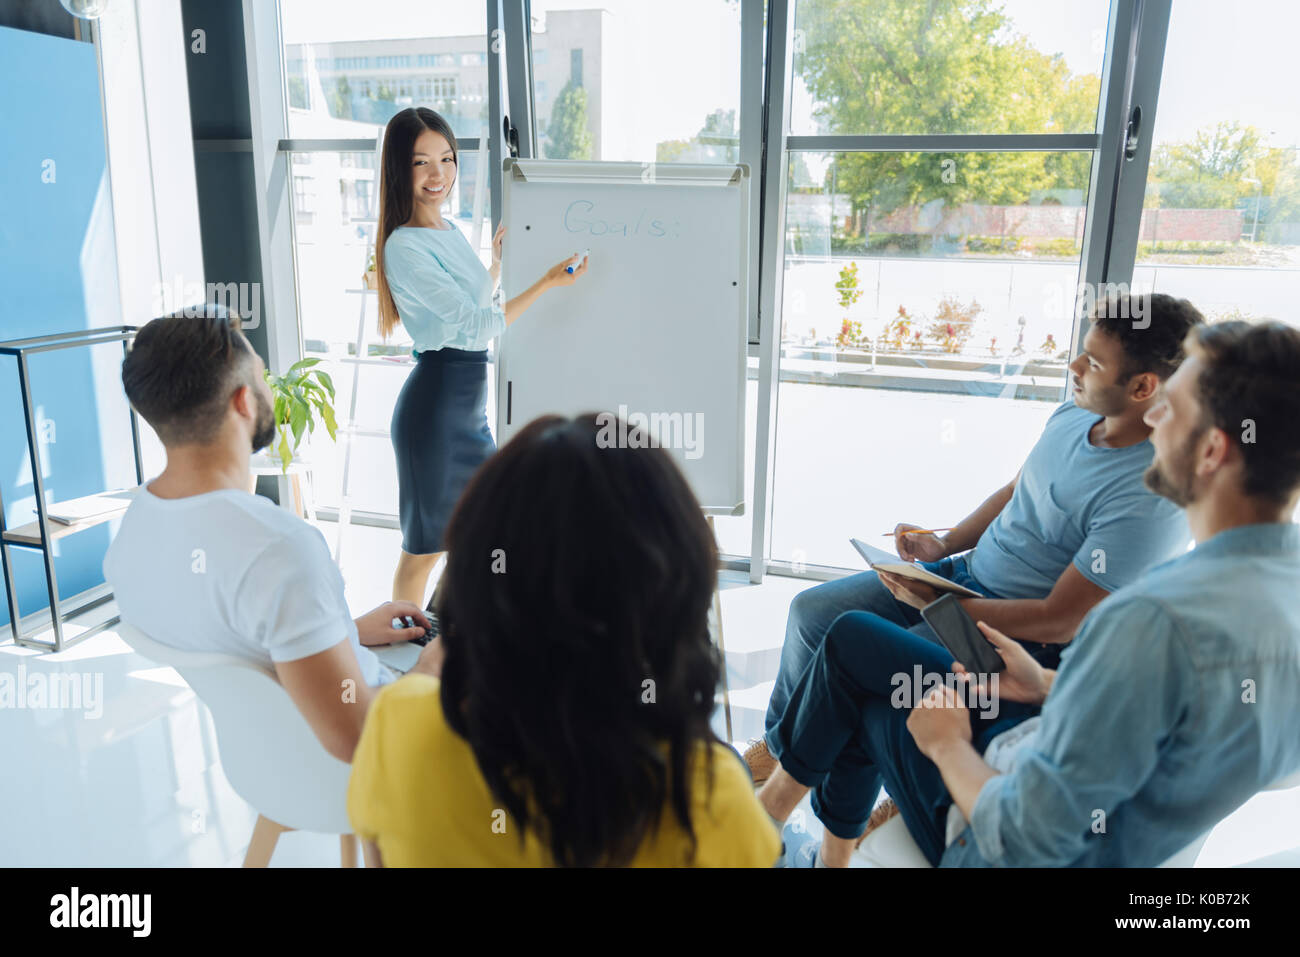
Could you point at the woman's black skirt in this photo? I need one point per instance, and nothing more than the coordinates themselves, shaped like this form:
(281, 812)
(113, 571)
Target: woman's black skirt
(440, 435)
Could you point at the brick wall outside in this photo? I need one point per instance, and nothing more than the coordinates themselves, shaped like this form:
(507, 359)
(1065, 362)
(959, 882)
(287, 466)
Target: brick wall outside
(1055, 222)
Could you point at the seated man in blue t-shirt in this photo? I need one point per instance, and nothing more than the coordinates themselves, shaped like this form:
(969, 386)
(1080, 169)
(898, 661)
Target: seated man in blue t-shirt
(1075, 524)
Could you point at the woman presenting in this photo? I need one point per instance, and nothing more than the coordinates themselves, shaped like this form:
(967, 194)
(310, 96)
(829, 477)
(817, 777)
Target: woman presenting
(432, 282)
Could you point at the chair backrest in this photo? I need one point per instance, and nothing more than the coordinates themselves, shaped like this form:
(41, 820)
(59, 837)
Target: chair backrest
(1286, 783)
(1188, 855)
(892, 845)
(269, 753)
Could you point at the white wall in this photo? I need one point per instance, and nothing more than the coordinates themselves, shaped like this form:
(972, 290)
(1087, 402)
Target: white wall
(142, 55)
(155, 214)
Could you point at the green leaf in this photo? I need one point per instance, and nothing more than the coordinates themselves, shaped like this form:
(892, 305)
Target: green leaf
(327, 416)
(286, 453)
(300, 365)
(326, 381)
(298, 417)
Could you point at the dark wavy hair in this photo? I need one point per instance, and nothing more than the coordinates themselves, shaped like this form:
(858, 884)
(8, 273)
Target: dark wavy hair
(395, 200)
(574, 610)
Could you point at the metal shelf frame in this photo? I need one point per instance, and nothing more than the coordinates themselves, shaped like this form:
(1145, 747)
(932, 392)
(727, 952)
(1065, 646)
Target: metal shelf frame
(59, 611)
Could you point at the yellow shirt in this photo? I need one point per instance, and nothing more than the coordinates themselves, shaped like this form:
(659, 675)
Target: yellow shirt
(417, 792)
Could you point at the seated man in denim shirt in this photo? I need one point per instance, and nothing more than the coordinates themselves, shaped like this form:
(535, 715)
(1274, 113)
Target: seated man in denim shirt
(1179, 698)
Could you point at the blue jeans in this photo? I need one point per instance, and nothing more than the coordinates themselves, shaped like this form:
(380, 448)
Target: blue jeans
(813, 610)
(843, 731)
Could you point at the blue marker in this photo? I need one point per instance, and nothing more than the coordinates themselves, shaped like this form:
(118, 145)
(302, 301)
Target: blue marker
(585, 254)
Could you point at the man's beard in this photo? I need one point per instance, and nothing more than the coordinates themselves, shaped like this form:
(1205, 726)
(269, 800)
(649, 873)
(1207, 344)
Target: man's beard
(265, 433)
(1175, 480)
(1102, 400)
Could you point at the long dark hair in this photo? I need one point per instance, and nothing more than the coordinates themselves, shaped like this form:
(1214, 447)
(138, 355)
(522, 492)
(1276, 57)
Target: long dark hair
(574, 610)
(395, 201)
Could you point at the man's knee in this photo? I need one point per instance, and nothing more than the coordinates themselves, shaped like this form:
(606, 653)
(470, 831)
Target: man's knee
(849, 629)
(807, 617)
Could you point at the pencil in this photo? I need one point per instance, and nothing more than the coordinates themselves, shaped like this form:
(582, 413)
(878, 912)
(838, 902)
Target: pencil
(920, 531)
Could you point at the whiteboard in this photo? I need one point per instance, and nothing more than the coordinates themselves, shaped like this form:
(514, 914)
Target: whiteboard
(656, 328)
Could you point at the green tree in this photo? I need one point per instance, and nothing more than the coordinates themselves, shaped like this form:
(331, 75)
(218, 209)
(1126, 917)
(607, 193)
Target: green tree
(671, 151)
(1229, 166)
(718, 139)
(1217, 169)
(567, 132)
(944, 66)
(341, 99)
(298, 93)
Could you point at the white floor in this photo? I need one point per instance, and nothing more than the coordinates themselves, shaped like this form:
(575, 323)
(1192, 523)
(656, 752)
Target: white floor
(132, 777)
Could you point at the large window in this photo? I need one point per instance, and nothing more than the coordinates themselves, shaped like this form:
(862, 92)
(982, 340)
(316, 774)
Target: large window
(345, 78)
(345, 72)
(929, 283)
(928, 313)
(928, 306)
(947, 66)
(628, 80)
(1221, 221)
(339, 317)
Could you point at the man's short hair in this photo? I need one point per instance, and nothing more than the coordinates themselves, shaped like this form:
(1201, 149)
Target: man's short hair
(1249, 386)
(182, 370)
(1154, 344)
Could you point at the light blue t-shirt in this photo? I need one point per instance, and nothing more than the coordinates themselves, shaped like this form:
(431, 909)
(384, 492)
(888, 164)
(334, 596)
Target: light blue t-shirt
(443, 293)
(1077, 502)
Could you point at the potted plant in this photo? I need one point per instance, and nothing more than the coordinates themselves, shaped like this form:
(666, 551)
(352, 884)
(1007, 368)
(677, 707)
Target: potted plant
(299, 395)
(849, 293)
(954, 323)
(850, 335)
(371, 278)
(900, 330)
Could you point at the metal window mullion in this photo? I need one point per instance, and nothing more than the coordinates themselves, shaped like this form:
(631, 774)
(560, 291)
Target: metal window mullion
(495, 137)
(779, 61)
(1130, 75)
(363, 144)
(273, 178)
(1112, 113)
(1148, 65)
(944, 142)
(519, 74)
(751, 136)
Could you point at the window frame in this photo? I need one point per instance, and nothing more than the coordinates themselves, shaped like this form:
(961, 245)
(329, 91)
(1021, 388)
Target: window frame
(1130, 77)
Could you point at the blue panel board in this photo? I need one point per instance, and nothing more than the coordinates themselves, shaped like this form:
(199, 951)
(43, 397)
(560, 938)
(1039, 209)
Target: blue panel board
(58, 270)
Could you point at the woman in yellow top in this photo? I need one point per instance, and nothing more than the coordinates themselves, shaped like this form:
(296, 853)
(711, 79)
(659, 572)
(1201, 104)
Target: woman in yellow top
(570, 724)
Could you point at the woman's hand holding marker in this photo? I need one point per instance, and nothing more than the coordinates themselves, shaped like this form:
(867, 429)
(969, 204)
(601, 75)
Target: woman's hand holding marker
(496, 243)
(566, 272)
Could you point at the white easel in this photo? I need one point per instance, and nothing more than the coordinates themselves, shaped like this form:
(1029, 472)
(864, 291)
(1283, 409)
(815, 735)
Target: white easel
(715, 627)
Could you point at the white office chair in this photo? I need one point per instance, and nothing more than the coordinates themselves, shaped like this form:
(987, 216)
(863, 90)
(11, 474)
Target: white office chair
(892, 844)
(269, 753)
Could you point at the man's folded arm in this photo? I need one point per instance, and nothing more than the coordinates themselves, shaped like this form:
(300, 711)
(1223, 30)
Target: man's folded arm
(331, 694)
(1052, 620)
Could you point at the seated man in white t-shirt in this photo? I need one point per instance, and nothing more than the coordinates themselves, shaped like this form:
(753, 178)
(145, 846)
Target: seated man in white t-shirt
(201, 564)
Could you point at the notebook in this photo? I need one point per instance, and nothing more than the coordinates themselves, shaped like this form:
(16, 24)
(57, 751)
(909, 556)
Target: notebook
(884, 561)
(83, 509)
